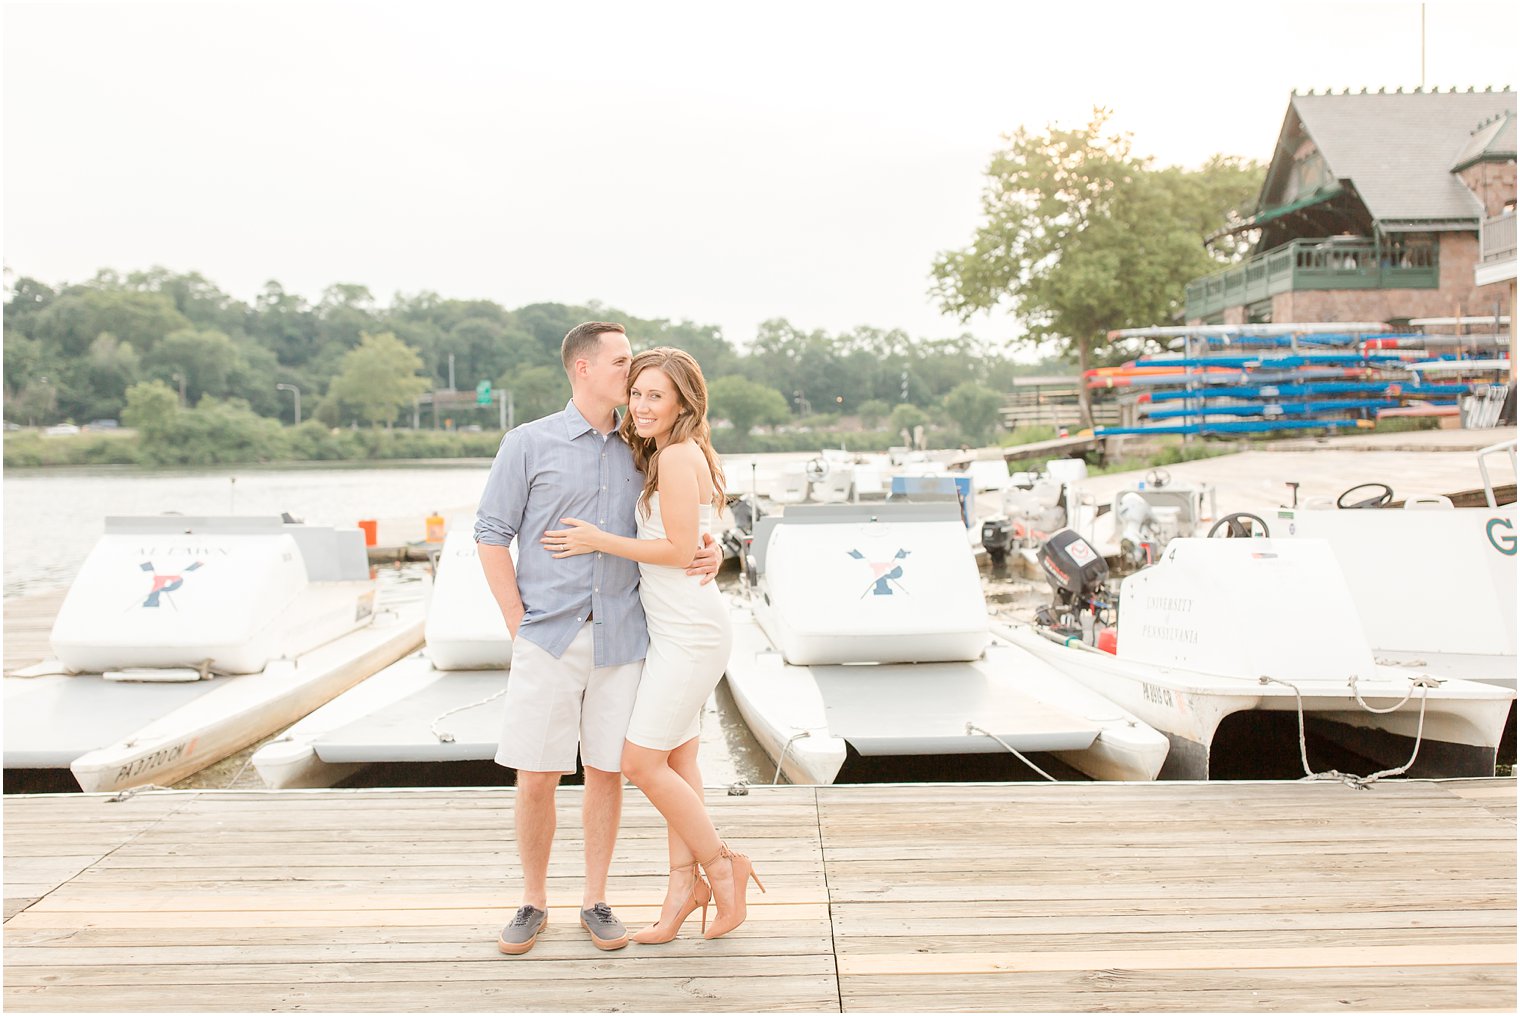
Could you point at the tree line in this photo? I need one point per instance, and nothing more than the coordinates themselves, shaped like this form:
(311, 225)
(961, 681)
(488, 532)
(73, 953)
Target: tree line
(1078, 236)
(164, 340)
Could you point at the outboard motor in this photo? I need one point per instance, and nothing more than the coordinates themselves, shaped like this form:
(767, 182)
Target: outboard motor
(1076, 573)
(1132, 515)
(746, 510)
(997, 539)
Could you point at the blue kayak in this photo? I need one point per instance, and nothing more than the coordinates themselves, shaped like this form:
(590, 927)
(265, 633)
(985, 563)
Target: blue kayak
(1405, 389)
(1228, 427)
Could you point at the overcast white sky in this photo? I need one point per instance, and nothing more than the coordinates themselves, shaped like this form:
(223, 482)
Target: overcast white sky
(724, 163)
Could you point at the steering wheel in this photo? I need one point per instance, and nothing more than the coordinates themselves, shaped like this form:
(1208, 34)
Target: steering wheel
(817, 468)
(1237, 525)
(1157, 478)
(1378, 500)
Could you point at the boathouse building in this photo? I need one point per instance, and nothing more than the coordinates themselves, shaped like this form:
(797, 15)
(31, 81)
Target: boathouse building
(1378, 206)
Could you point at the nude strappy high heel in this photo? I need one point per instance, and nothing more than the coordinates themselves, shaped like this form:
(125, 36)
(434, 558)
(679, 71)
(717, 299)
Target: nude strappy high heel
(743, 871)
(701, 894)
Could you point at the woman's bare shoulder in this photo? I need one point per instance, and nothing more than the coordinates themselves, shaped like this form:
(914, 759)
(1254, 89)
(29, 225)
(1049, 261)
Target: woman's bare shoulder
(685, 452)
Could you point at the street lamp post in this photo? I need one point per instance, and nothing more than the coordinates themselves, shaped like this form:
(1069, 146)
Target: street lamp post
(282, 387)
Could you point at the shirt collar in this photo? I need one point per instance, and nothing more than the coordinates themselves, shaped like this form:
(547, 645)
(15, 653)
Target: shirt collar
(576, 425)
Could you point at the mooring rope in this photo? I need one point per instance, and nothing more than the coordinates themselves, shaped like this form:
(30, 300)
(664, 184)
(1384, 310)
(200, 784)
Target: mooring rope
(972, 728)
(1351, 779)
(444, 737)
(786, 748)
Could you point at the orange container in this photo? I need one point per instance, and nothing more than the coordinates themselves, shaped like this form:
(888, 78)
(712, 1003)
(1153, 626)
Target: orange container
(371, 531)
(435, 528)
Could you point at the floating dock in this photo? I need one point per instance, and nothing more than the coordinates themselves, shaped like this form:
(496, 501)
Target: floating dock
(1008, 897)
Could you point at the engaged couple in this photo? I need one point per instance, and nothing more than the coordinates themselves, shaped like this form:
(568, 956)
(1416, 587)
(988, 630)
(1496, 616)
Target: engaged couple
(619, 634)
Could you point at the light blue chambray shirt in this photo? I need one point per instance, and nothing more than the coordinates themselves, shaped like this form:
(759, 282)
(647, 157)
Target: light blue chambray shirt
(562, 467)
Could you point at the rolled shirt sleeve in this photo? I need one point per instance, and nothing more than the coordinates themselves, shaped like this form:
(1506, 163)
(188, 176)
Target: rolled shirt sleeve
(499, 517)
(545, 471)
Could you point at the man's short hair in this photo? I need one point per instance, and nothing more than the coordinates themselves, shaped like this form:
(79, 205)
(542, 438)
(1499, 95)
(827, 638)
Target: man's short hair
(583, 339)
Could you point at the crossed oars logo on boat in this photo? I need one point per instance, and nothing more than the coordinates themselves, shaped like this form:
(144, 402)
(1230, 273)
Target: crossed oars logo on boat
(164, 584)
(884, 573)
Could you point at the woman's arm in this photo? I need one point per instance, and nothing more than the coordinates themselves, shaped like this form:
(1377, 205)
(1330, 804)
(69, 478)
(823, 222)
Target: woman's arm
(679, 485)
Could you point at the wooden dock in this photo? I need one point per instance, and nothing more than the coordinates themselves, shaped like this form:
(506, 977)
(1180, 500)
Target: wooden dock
(1066, 897)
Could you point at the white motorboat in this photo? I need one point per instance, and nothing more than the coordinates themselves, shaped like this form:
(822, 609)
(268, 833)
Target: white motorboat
(442, 704)
(864, 632)
(1143, 518)
(1036, 504)
(184, 639)
(1249, 655)
(1433, 583)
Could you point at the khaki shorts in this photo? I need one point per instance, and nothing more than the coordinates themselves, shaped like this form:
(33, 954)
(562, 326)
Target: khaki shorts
(553, 705)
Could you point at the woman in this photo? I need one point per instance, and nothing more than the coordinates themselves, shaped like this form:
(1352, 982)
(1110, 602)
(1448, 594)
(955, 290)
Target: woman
(689, 637)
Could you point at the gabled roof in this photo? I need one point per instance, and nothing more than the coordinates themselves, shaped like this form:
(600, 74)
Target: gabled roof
(1491, 142)
(1398, 149)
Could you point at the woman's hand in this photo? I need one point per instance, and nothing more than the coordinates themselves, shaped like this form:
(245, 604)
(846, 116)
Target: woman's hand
(580, 538)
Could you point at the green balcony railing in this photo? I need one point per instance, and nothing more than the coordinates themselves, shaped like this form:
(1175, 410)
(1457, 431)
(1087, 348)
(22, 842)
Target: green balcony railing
(1331, 263)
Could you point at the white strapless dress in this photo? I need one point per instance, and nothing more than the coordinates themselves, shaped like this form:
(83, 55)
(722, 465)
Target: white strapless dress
(689, 641)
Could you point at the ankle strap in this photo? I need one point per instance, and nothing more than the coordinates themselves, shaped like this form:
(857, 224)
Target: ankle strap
(692, 864)
(722, 853)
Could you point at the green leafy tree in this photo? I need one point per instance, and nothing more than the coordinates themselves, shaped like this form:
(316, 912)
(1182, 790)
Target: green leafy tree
(284, 324)
(23, 361)
(973, 409)
(745, 404)
(806, 367)
(536, 392)
(345, 315)
(1079, 236)
(872, 412)
(72, 321)
(26, 299)
(379, 378)
(908, 417)
(36, 403)
(152, 407)
(209, 362)
(704, 342)
(194, 296)
(110, 368)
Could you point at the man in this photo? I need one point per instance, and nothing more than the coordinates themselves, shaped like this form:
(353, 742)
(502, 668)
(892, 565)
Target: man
(578, 634)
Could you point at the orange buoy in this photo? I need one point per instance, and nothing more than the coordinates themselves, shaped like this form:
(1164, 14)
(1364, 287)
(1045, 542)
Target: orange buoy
(371, 531)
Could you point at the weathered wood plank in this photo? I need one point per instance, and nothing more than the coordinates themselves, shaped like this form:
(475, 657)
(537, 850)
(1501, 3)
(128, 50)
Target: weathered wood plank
(504, 986)
(372, 917)
(146, 903)
(1152, 897)
(629, 965)
(1297, 958)
(1318, 990)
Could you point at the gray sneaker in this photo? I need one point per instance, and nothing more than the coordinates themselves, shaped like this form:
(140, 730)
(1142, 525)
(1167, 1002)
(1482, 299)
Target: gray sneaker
(607, 932)
(518, 937)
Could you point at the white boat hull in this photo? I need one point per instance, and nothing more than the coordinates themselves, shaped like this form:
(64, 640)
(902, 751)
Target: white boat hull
(410, 712)
(808, 718)
(1462, 720)
(246, 708)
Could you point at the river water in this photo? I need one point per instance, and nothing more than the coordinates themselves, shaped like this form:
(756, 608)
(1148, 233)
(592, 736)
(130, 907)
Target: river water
(52, 519)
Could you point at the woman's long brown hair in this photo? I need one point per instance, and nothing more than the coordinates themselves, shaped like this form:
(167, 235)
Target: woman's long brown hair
(691, 425)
